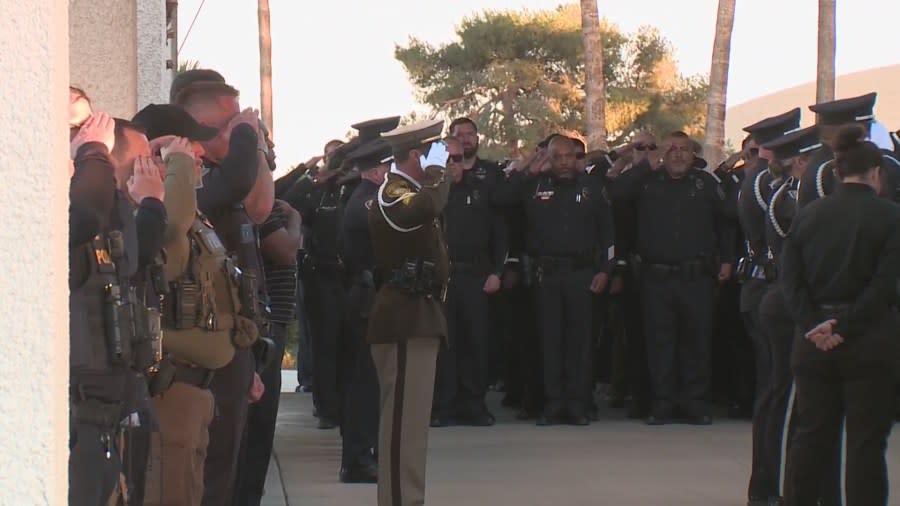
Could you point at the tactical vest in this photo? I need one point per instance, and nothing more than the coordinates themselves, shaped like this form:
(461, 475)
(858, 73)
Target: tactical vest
(102, 306)
(239, 237)
(202, 315)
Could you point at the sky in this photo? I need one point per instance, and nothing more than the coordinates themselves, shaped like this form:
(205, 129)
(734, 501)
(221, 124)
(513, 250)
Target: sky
(333, 61)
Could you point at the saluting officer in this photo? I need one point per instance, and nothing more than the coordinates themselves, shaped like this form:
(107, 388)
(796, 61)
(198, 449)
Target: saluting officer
(359, 423)
(407, 323)
(841, 261)
(569, 235)
(684, 244)
(476, 241)
(756, 271)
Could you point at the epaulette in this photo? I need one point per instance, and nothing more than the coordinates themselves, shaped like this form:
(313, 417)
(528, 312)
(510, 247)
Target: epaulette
(397, 189)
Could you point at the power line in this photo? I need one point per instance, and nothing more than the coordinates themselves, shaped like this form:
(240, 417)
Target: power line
(188, 33)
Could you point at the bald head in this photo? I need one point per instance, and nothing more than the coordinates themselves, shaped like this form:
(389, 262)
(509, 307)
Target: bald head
(562, 156)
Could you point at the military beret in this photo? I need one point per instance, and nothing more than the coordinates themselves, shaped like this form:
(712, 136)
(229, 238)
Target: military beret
(795, 143)
(774, 127)
(373, 128)
(414, 135)
(847, 110)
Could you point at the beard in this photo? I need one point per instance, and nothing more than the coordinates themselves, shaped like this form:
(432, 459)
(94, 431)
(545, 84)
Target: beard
(470, 151)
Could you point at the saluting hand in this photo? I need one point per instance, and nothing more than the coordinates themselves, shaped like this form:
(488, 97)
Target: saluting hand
(492, 285)
(146, 181)
(100, 127)
(598, 284)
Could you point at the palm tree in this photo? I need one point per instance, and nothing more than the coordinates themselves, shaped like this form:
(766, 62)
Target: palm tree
(827, 42)
(265, 66)
(185, 65)
(595, 89)
(714, 145)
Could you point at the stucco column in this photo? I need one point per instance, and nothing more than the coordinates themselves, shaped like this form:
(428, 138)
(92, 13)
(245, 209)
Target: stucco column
(103, 58)
(153, 78)
(34, 344)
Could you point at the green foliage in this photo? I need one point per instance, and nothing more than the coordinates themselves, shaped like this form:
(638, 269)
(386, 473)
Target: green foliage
(520, 75)
(184, 66)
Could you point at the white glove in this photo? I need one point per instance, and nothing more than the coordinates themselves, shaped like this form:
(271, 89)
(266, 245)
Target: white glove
(437, 156)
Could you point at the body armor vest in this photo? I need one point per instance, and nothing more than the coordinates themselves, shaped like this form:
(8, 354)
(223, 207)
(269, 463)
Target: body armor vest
(239, 237)
(104, 309)
(202, 321)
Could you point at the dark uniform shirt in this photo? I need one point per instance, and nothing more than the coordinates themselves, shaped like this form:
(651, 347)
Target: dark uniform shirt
(405, 226)
(843, 249)
(820, 180)
(780, 215)
(568, 217)
(679, 220)
(474, 225)
(356, 242)
(322, 208)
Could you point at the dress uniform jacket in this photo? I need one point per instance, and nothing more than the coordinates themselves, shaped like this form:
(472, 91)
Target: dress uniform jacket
(406, 226)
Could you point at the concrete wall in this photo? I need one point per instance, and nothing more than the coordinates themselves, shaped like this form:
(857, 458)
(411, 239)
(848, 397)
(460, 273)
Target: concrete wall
(153, 78)
(33, 292)
(103, 53)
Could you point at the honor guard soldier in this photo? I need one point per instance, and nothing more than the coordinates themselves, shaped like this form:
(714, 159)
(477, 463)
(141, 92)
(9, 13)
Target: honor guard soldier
(756, 271)
(791, 156)
(200, 313)
(406, 323)
(831, 117)
(840, 265)
(569, 237)
(359, 417)
(684, 244)
(476, 242)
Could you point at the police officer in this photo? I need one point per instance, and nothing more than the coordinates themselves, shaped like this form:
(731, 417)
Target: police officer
(476, 241)
(682, 235)
(236, 193)
(840, 268)
(406, 323)
(321, 206)
(569, 235)
(831, 117)
(359, 422)
(200, 317)
(756, 271)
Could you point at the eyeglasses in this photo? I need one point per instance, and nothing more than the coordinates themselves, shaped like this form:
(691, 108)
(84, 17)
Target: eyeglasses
(455, 158)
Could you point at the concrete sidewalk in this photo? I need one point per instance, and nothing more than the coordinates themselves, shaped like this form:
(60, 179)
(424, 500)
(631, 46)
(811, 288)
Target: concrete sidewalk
(613, 462)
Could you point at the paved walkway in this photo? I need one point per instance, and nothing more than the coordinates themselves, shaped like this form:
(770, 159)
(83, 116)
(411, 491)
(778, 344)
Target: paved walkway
(613, 462)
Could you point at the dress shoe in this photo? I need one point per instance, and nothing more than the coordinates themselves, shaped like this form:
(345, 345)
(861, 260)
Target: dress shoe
(657, 420)
(439, 421)
(360, 474)
(326, 423)
(699, 420)
(579, 420)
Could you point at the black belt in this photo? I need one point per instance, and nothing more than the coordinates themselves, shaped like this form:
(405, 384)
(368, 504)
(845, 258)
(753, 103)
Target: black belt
(199, 377)
(95, 412)
(694, 268)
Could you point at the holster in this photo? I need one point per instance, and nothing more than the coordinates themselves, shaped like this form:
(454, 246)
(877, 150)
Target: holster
(264, 353)
(119, 322)
(418, 277)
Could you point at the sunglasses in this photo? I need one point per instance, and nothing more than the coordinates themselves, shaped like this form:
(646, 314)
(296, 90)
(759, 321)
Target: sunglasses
(455, 158)
(646, 147)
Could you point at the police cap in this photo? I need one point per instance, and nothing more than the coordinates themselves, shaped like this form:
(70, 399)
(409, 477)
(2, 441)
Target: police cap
(415, 135)
(847, 110)
(795, 143)
(371, 129)
(370, 155)
(774, 127)
(164, 119)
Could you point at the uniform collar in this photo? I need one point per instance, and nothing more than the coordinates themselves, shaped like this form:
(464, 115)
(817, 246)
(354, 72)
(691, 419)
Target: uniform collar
(395, 170)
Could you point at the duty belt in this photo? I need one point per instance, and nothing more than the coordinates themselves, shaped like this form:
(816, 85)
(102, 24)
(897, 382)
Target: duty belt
(95, 412)
(691, 269)
(415, 277)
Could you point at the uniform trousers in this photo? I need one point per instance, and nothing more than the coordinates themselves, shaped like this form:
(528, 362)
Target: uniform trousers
(763, 479)
(855, 381)
(94, 464)
(256, 451)
(732, 347)
(564, 302)
(230, 386)
(462, 366)
(525, 376)
(178, 449)
(359, 424)
(637, 372)
(406, 372)
(678, 327)
(325, 304)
